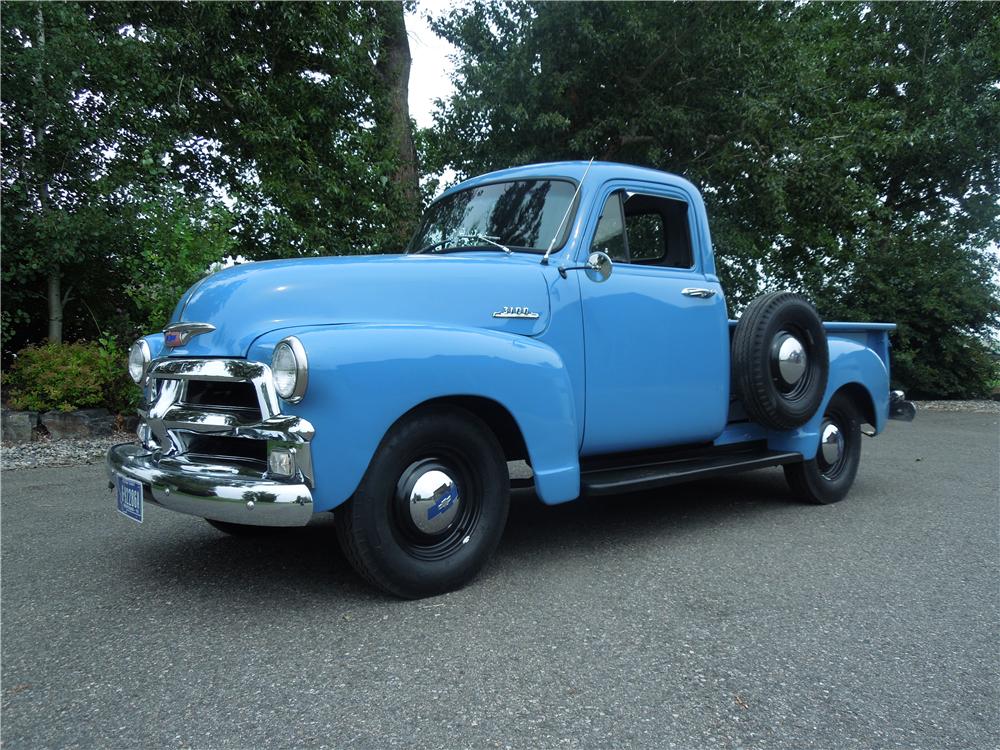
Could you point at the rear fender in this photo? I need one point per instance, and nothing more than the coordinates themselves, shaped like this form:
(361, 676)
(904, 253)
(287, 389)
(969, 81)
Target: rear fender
(362, 378)
(854, 364)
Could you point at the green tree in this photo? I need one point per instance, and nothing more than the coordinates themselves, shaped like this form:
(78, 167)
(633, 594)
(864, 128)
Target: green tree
(292, 109)
(63, 115)
(283, 120)
(850, 151)
(183, 239)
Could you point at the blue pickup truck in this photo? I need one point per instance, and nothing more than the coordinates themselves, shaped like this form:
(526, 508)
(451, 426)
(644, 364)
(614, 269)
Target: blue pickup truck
(567, 314)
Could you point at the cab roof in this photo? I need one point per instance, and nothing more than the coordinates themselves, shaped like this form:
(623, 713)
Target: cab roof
(600, 172)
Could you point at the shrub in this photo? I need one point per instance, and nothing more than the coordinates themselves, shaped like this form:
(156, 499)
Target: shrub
(67, 377)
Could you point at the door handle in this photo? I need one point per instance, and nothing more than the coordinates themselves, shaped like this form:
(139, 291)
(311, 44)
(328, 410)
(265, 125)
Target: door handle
(696, 292)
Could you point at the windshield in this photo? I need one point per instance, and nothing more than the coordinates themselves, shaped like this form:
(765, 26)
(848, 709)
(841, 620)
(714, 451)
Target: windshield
(520, 215)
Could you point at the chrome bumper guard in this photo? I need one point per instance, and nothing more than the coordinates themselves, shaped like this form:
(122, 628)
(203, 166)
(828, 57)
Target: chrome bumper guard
(900, 408)
(219, 492)
(234, 489)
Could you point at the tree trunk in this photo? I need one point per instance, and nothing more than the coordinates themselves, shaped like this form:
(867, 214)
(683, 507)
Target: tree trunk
(55, 308)
(54, 294)
(393, 68)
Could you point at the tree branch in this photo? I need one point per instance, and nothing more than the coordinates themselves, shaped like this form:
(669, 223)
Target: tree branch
(622, 142)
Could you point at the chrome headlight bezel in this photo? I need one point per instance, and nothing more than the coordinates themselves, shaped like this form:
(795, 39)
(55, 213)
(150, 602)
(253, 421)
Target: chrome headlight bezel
(293, 389)
(138, 360)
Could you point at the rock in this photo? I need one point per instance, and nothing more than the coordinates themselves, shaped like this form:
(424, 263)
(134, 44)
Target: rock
(131, 422)
(18, 426)
(82, 423)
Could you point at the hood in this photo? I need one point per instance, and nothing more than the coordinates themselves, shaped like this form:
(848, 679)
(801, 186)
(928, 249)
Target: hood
(249, 300)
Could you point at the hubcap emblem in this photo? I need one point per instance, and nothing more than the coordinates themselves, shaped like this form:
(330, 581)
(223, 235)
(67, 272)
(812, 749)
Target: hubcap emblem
(434, 502)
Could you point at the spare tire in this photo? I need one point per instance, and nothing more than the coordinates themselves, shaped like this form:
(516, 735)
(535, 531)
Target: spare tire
(780, 360)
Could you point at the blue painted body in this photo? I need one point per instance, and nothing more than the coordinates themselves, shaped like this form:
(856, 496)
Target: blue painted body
(606, 367)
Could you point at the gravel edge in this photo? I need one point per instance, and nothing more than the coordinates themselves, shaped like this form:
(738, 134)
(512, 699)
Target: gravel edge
(982, 406)
(47, 453)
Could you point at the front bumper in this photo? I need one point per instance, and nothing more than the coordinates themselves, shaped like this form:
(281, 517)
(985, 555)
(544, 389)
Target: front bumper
(208, 453)
(221, 492)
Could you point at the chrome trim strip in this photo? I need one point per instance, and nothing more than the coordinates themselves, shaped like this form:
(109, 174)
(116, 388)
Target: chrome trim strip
(220, 492)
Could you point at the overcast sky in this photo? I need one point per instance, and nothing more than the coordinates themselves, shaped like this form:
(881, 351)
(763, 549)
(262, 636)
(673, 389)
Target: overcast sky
(431, 66)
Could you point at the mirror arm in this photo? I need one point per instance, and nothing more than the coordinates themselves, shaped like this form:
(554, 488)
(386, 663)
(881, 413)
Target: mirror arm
(598, 263)
(585, 267)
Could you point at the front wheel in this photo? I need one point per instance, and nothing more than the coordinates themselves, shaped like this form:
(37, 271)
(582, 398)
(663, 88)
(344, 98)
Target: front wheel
(432, 506)
(828, 477)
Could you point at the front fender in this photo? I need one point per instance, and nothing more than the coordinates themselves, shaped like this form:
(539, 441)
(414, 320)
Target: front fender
(363, 377)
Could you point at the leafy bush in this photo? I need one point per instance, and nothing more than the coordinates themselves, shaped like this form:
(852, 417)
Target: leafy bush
(67, 377)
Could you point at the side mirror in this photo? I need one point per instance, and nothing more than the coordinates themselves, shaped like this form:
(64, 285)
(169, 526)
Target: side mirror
(599, 266)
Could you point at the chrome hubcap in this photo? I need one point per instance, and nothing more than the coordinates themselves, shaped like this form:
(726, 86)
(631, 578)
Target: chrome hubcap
(791, 359)
(831, 445)
(433, 500)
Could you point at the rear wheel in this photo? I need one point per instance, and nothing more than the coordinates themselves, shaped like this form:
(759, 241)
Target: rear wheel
(432, 506)
(828, 477)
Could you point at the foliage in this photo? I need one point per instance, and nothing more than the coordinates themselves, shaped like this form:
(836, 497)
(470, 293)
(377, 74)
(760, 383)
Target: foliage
(849, 151)
(269, 116)
(183, 239)
(67, 377)
(283, 105)
(62, 114)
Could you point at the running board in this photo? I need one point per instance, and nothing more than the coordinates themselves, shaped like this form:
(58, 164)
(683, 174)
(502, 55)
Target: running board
(649, 476)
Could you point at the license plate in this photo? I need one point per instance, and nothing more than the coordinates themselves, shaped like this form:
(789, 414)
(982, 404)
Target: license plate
(128, 496)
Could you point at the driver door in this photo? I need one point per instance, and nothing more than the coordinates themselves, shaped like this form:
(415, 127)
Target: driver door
(657, 352)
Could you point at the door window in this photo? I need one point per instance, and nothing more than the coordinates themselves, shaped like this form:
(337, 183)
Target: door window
(610, 235)
(657, 231)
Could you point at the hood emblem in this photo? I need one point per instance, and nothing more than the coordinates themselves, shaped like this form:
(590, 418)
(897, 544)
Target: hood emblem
(516, 312)
(180, 333)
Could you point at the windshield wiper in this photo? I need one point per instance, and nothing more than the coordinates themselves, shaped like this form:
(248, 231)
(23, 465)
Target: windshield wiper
(466, 237)
(484, 238)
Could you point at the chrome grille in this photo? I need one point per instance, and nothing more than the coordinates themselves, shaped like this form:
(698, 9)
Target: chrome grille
(219, 409)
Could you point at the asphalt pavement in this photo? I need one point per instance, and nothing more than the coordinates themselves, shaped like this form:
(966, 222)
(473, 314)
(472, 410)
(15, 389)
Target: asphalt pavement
(720, 614)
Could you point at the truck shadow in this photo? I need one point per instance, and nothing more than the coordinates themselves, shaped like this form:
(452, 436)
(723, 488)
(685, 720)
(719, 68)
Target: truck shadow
(629, 519)
(297, 564)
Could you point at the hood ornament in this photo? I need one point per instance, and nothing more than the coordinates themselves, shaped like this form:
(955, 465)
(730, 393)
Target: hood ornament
(516, 312)
(179, 334)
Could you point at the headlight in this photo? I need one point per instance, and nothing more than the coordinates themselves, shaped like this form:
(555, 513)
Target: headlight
(290, 369)
(138, 359)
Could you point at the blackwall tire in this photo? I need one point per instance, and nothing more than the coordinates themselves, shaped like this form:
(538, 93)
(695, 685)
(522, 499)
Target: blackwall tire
(432, 506)
(781, 360)
(828, 479)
